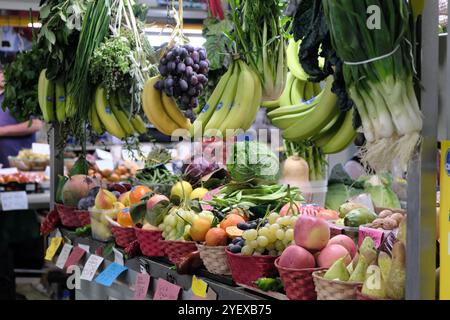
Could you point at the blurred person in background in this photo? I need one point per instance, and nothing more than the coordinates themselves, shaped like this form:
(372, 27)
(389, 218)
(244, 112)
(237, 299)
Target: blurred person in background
(14, 136)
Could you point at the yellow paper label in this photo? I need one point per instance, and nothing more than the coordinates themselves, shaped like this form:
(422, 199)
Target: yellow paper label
(51, 250)
(199, 287)
(444, 286)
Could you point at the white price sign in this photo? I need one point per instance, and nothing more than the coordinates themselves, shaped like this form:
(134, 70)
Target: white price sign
(64, 255)
(7, 171)
(16, 200)
(41, 148)
(102, 154)
(91, 266)
(118, 257)
(105, 164)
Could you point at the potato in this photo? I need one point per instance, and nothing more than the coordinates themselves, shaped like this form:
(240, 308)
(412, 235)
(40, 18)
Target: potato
(385, 214)
(389, 224)
(397, 217)
(377, 223)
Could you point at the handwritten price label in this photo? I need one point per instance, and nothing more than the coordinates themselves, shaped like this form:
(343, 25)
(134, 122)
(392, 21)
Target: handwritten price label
(17, 200)
(64, 255)
(110, 274)
(375, 234)
(141, 286)
(75, 257)
(166, 290)
(199, 287)
(91, 266)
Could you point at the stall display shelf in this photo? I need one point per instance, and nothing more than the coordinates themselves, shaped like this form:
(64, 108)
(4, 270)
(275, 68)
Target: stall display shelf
(37, 201)
(122, 288)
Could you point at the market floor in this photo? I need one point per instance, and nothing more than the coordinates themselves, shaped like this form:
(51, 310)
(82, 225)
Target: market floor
(31, 289)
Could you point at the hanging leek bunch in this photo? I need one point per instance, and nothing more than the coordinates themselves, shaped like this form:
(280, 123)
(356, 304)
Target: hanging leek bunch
(378, 71)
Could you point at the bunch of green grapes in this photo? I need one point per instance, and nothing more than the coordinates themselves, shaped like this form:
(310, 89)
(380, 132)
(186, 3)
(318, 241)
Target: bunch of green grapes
(271, 238)
(177, 224)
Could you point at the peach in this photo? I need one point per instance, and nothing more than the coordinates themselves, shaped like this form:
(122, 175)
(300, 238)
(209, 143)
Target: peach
(311, 233)
(296, 257)
(346, 242)
(330, 254)
(105, 199)
(154, 200)
(231, 220)
(216, 237)
(199, 229)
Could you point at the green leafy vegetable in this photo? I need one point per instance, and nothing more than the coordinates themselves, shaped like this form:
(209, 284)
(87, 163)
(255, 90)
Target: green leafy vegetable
(253, 162)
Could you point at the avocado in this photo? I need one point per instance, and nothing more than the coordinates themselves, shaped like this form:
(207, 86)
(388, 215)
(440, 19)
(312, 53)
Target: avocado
(358, 217)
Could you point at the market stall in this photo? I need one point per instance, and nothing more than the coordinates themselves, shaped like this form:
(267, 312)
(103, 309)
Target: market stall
(334, 200)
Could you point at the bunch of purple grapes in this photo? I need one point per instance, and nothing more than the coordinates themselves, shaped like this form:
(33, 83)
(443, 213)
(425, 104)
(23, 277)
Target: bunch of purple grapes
(184, 70)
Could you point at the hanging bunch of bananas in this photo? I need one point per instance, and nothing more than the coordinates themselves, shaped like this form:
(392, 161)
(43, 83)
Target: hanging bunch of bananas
(161, 110)
(233, 105)
(110, 115)
(305, 111)
(52, 98)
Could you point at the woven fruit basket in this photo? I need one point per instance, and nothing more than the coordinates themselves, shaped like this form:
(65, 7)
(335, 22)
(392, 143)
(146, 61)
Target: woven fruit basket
(176, 250)
(150, 242)
(334, 289)
(123, 236)
(361, 296)
(71, 217)
(214, 259)
(247, 269)
(298, 283)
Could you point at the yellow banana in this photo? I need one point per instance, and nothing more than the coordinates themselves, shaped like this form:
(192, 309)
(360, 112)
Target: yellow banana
(298, 88)
(46, 92)
(121, 115)
(343, 137)
(309, 91)
(154, 109)
(60, 96)
(293, 62)
(270, 104)
(285, 98)
(138, 124)
(256, 102)
(106, 115)
(171, 108)
(95, 120)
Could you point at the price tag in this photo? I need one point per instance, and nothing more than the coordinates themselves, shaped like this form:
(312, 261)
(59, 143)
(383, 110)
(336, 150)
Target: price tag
(84, 247)
(141, 286)
(102, 154)
(41, 148)
(118, 257)
(375, 234)
(91, 266)
(105, 164)
(64, 255)
(75, 257)
(7, 171)
(199, 287)
(166, 290)
(16, 200)
(53, 247)
(110, 274)
(58, 233)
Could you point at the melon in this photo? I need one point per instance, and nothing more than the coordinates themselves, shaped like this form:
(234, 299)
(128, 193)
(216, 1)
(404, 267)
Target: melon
(77, 187)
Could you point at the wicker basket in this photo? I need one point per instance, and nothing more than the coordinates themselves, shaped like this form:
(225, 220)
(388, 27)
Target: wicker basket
(298, 283)
(247, 269)
(361, 296)
(334, 289)
(214, 259)
(71, 217)
(124, 236)
(150, 242)
(176, 250)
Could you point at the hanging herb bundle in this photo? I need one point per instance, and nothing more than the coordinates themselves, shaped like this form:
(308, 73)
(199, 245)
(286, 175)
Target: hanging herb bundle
(264, 51)
(61, 25)
(378, 71)
(21, 77)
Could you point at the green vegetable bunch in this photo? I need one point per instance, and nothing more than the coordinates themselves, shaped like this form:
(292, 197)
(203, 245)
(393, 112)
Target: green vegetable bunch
(110, 65)
(21, 77)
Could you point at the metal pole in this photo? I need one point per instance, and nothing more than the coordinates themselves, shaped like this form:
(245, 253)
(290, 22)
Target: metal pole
(422, 173)
(56, 162)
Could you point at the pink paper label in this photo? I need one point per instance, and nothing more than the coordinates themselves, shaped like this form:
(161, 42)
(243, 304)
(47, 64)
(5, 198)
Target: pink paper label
(375, 234)
(166, 290)
(75, 257)
(141, 286)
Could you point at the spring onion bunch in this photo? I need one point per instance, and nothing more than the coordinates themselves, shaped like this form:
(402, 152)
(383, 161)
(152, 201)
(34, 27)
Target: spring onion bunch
(264, 50)
(378, 71)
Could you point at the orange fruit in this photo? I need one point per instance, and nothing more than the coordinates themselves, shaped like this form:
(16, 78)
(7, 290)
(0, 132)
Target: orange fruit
(137, 193)
(124, 218)
(234, 232)
(216, 237)
(199, 229)
(231, 220)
